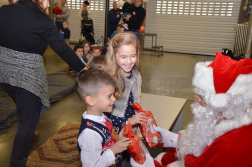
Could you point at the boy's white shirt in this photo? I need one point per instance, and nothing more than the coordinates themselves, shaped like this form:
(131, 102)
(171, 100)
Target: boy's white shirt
(90, 143)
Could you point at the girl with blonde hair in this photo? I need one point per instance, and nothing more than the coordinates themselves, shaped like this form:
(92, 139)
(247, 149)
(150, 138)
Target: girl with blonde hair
(123, 64)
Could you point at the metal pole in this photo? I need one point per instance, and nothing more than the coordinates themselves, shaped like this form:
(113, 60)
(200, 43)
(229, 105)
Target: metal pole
(106, 23)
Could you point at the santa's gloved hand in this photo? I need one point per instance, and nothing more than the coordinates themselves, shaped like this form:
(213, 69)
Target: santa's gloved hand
(170, 139)
(148, 163)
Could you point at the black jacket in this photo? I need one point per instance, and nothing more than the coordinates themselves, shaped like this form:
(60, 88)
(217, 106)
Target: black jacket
(26, 29)
(136, 20)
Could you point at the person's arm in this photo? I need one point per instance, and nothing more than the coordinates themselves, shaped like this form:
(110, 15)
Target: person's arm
(90, 143)
(65, 16)
(88, 11)
(80, 11)
(89, 62)
(56, 42)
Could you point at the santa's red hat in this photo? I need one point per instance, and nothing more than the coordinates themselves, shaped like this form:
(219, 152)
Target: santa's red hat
(221, 78)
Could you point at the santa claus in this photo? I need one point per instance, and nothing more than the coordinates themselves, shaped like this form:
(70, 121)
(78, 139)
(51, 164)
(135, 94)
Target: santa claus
(221, 131)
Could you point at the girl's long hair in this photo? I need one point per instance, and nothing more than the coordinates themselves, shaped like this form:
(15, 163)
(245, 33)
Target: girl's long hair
(112, 68)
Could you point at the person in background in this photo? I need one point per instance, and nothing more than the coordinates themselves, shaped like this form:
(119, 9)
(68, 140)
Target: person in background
(56, 10)
(95, 52)
(86, 49)
(98, 62)
(127, 9)
(22, 71)
(134, 21)
(119, 29)
(114, 17)
(66, 32)
(79, 52)
(104, 50)
(84, 12)
(64, 16)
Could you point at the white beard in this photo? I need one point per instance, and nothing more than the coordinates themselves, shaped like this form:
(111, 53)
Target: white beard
(199, 134)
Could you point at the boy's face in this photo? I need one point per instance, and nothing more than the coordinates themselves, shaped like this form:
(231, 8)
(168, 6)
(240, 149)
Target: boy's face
(96, 52)
(65, 25)
(57, 4)
(105, 99)
(79, 52)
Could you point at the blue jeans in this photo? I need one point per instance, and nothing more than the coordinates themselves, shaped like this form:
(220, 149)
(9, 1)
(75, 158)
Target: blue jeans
(137, 33)
(28, 112)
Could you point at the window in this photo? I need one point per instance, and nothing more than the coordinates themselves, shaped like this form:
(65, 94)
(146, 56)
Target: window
(195, 8)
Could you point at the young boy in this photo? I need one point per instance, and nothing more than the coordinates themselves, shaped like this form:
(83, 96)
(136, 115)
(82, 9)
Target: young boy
(95, 52)
(79, 52)
(96, 143)
(66, 32)
(56, 10)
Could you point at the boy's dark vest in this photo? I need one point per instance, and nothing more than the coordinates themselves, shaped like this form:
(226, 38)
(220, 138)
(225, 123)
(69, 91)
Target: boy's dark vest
(103, 131)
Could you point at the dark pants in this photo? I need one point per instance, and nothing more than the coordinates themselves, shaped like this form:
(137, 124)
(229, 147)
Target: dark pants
(28, 112)
(59, 25)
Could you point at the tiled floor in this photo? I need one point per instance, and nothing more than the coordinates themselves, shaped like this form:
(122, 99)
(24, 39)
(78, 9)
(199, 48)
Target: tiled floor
(169, 75)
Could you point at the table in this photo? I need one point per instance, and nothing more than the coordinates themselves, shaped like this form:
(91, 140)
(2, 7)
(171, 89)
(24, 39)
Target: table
(152, 35)
(167, 110)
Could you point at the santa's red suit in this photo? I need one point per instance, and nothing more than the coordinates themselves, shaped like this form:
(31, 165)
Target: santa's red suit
(221, 132)
(232, 149)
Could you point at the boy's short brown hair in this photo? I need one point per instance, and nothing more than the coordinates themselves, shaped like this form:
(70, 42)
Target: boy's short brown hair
(56, 3)
(95, 48)
(77, 47)
(98, 62)
(89, 82)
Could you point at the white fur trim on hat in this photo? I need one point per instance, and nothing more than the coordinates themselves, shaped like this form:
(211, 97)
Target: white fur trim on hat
(203, 81)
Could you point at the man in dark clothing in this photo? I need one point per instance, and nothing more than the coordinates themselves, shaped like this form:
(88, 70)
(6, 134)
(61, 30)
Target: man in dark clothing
(114, 17)
(134, 21)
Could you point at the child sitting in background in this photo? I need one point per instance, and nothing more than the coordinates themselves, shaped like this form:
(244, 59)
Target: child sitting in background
(66, 32)
(56, 10)
(97, 144)
(86, 49)
(119, 29)
(98, 62)
(95, 52)
(79, 52)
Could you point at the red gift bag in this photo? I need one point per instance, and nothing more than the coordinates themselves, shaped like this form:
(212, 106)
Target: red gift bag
(151, 137)
(136, 149)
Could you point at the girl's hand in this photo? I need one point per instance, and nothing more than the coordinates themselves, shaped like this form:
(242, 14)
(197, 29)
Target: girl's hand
(138, 118)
